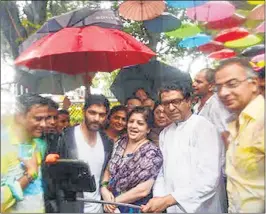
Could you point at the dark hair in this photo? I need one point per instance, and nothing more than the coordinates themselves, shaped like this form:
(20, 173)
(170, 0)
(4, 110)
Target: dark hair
(97, 99)
(261, 73)
(52, 104)
(146, 112)
(26, 101)
(141, 89)
(157, 103)
(209, 72)
(116, 109)
(185, 86)
(63, 111)
(132, 98)
(242, 61)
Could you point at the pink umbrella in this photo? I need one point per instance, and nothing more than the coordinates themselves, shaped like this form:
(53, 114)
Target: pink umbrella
(211, 11)
(260, 28)
(257, 13)
(258, 58)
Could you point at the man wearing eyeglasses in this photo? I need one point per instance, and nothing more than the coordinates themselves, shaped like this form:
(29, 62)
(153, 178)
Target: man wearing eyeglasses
(190, 177)
(237, 87)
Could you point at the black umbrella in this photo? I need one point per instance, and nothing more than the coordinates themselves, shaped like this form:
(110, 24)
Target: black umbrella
(151, 77)
(253, 51)
(82, 17)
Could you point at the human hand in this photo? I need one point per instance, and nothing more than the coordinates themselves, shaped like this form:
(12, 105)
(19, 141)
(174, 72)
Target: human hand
(108, 196)
(31, 164)
(155, 205)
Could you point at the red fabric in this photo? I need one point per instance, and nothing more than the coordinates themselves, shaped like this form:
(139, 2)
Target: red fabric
(211, 47)
(233, 21)
(231, 34)
(222, 54)
(87, 49)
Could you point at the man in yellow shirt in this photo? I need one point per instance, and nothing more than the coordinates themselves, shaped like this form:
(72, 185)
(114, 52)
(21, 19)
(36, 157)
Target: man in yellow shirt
(21, 156)
(237, 87)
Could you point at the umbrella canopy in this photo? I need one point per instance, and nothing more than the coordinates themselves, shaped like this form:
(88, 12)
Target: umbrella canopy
(253, 51)
(87, 49)
(222, 54)
(163, 23)
(140, 10)
(258, 13)
(195, 41)
(231, 34)
(186, 30)
(82, 17)
(45, 82)
(260, 28)
(211, 47)
(233, 21)
(184, 4)
(258, 58)
(255, 2)
(150, 76)
(211, 11)
(243, 42)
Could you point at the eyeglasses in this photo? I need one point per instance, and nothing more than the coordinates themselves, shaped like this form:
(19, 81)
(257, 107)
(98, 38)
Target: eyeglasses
(175, 102)
(234, 83)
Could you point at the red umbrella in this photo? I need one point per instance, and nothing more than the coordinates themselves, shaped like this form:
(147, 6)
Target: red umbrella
(86, 49)
(140, 10)
(211, 47)
(222, 54)
(233, 21)
(231, 34)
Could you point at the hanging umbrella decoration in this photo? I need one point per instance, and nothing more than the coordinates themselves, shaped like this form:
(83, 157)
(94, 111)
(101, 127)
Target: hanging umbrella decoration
(243, 42)
(231, 34)
(185, 4)
(222, 54)
(210, 47)
(163, 23)
(233, 21)
(253, 51)
(185, 30)
(211, 11)
(258, 13)
(194, 41)
(260, 28)
(140, 10)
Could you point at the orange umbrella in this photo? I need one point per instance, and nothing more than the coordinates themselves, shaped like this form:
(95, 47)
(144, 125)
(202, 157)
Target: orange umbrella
(141, 9)
(257, 13)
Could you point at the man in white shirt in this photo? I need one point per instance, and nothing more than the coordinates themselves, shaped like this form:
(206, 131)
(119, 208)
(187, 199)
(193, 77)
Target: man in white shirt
(210, 107)
(191, 171)
(88, 143)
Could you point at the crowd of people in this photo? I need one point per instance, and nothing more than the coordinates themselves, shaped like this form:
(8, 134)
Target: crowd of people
(198, 149)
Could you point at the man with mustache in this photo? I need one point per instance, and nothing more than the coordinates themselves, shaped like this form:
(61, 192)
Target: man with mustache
(87, 142)
(237, 87)
(191, 171)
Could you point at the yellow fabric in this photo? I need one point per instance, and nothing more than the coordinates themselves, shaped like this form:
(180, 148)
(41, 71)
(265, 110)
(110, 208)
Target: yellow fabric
(245, 160)
(7, 199)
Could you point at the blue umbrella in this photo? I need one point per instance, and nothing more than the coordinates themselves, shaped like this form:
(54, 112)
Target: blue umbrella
(164, 23)
(194, 41)
(185, 4)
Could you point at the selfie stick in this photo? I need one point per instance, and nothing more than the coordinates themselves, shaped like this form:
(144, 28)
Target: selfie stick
(107, 202)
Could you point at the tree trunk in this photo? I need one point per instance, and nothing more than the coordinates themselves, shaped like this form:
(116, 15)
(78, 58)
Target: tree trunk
(11, 25)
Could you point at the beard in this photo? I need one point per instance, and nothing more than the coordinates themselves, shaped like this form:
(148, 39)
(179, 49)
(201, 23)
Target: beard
(92, 126)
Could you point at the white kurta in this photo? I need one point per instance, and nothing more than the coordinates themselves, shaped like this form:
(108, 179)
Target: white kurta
(191, 171)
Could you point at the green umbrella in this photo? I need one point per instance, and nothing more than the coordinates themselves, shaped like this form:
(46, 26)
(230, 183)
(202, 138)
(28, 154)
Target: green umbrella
(243, 42)
(186, 30)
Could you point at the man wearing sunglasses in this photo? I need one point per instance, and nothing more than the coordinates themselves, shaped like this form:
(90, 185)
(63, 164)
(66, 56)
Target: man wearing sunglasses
(191, 172)
(237, 87)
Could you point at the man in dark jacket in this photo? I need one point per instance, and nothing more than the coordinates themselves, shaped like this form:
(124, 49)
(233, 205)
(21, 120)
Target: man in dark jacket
(88, 143)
